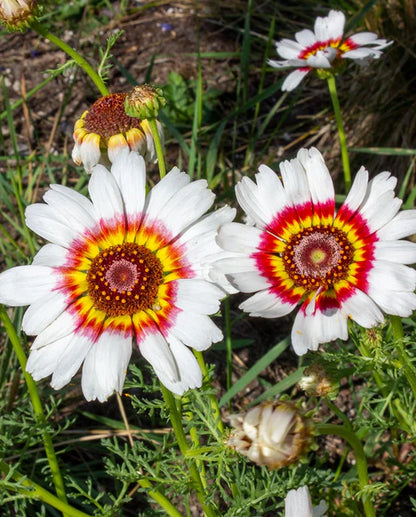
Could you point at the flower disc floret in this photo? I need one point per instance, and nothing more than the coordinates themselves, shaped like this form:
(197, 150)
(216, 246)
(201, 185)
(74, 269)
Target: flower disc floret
(335, 265)
(120, 268)
(324, 49)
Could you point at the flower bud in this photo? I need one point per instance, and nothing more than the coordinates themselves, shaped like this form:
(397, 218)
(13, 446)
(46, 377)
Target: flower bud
(144, 102)
(274, 434)
(17, 14)
(319, 381)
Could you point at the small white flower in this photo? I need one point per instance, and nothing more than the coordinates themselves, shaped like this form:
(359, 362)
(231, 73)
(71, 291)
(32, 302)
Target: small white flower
(124, 267)
(324, 48)
(298, 504)
(349, 264)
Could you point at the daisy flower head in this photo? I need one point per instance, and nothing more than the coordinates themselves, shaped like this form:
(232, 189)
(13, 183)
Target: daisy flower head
(324, 49)
(336, 265)
(105, 130)
(17, 14)
(120, 267)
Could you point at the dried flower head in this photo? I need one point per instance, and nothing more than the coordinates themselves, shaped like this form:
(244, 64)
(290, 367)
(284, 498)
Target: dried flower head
(17, 14)
(106, 129)
(144, 102)
(274, 434)
(319, 381)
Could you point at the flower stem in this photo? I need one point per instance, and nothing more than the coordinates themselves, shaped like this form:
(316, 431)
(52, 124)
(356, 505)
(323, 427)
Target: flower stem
(341, 133)
(408, 368)
(37, 492)
(79, 60)
(360, 457)
(37, 405)
(176, 421)
(213, 399)
(158, 147)
(160, 498)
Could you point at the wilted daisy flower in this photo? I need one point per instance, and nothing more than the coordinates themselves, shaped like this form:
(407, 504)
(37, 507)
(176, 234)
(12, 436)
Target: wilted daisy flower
(324, 48)
(121, 267)
(16, 14)
(105, 129)
(298, 504)
(273, 434)
(341, 265)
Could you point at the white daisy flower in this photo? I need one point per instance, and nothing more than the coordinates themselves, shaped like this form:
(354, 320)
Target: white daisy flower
(324, 47)
(349, 264)
(298, 504)
(105, 130)
(122, 267)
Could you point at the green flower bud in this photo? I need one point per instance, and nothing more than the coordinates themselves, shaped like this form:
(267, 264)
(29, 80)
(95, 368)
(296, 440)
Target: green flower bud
(144, 102)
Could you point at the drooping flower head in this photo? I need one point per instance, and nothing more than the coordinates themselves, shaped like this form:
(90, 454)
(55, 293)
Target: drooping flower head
(298, 504)
(119, 268)
(17, 14)
(105, 129)
(324, 48)
(349, 264)
(274, 434)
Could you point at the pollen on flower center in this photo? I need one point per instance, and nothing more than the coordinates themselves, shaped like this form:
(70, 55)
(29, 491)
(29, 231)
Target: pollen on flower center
(107, 117)
(124, 279)
(317, 257)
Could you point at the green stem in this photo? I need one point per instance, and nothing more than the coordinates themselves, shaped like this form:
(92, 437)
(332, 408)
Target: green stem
(37, 405)
(37, 492)
(360, 457)
(158, 146)
(79, 60)
(341, 133)
(160, 498)
(408, 367)
(176, 421)
(213, 399)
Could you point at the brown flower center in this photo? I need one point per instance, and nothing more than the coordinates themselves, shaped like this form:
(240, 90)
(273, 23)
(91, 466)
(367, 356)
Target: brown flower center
(107, 117)
(317, 257)
(124, 279)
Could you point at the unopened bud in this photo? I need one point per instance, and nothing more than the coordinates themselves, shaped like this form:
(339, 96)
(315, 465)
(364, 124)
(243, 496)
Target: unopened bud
(274, 434)
(144, 102)
(319, 381)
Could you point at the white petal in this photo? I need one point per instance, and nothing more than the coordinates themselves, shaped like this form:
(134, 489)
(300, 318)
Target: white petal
(62, 326)
(70, 360)
(155, 349)
(288, 49)
(294, 79)
(396, 251)
(90, 152)
(399, 303)
(321, 59)
(309, 331)
(362, 309)
(298, 503)
(249, 281)
(392, 276)
(232, 265)
(105, 366)
(129, 170)
(189, 372)
(357, 193)
(195, 330)
(295, 182)
(376, 218)
(105, 194)
(42, 219)
(266, 305)
(50, 255)
(239, 237)
(320, 183)
(43, 312)
(198, 296)
(43, 361)
(335, 26)
(305, 37)
(23, 285)
(69, 211)
(362, 53)
(160, 194)
(402, 225)
(185, 207)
